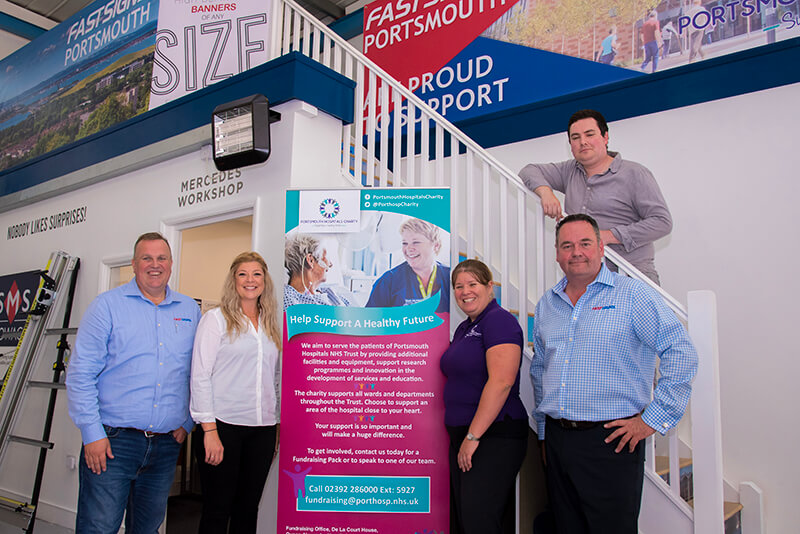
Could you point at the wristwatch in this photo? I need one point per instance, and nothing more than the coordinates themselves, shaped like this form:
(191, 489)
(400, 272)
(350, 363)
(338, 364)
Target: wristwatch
(471, 437)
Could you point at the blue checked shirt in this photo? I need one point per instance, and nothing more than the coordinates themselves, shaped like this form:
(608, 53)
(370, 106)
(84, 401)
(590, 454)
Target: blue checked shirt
(131, 363)
(596, 361)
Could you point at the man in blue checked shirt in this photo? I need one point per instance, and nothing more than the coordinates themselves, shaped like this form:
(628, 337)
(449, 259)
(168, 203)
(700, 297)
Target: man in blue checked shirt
(597, 336)
(128, 393)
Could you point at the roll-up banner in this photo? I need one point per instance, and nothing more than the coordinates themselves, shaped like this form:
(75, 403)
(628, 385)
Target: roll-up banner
(367, 299)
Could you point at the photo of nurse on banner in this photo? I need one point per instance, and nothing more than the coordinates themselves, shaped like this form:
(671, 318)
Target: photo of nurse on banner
(391, 260)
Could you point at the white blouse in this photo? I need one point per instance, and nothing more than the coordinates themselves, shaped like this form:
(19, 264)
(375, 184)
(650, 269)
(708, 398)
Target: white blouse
(236, 381)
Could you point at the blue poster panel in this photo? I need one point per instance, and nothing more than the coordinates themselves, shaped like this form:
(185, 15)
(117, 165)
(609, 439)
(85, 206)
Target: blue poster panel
(17, 293)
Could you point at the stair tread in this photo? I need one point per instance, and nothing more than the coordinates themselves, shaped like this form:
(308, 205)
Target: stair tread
(662, 464)
(728, 508)
(731, 508)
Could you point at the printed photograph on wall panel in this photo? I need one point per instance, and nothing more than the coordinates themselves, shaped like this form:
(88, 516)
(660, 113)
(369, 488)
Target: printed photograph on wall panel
(17, 293)
(474, 57)
(366, 320)
(96, 69)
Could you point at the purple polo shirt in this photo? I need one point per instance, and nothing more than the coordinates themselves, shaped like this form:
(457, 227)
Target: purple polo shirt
(464, 365)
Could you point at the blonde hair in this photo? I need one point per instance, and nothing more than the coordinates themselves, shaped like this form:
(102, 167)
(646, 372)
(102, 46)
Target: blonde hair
(424, 228)
(231, 305)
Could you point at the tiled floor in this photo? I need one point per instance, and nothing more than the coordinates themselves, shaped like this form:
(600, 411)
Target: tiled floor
(183, 516)
(41, 527)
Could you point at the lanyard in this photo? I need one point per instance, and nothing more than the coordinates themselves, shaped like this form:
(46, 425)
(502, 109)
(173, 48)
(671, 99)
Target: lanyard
(427, 293)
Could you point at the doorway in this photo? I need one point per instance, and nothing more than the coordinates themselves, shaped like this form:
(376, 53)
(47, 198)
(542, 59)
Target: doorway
(204, 255)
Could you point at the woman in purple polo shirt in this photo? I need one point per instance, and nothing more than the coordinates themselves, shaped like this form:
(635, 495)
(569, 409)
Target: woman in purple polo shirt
(485, 418)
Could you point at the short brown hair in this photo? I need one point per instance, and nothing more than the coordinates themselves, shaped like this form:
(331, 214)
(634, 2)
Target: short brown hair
(151, 236)
(476, 268)
(579, 217)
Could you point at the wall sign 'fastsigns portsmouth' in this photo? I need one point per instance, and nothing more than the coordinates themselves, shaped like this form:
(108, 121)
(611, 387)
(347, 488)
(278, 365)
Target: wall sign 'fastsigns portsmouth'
(474, 57)
(115, 59)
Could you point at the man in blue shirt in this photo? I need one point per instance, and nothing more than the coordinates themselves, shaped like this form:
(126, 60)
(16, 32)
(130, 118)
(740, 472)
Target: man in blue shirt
(128, 393)
(597, 336)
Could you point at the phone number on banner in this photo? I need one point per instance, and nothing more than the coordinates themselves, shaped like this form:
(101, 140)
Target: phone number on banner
(365, 494)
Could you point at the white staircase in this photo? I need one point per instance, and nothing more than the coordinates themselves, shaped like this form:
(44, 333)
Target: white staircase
(497, 219)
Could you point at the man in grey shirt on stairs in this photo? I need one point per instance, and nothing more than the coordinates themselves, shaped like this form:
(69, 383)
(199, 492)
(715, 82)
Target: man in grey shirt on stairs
(621, 195)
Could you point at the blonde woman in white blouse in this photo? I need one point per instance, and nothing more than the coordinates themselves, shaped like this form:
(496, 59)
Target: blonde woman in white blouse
(236, 396)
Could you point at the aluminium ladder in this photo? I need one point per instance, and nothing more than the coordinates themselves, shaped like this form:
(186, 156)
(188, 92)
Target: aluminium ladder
(49, 316)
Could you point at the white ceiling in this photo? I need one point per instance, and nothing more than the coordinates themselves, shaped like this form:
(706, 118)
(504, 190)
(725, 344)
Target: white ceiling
(55, 10)
(59, 10)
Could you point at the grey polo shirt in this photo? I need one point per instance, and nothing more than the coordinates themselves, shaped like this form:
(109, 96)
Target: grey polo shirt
(625, 199)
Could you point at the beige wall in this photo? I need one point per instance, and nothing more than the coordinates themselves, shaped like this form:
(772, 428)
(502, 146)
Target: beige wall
(206, 255)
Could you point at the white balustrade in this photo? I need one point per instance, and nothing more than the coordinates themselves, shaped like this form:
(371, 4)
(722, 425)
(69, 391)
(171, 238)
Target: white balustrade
(397, 140)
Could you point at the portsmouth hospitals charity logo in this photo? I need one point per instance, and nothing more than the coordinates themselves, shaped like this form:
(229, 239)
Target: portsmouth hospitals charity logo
(329, 211)
(329, 208)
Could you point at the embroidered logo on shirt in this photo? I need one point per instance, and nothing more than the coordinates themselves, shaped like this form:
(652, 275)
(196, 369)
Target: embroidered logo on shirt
(473, 332)
(609, 307)
(186, 319)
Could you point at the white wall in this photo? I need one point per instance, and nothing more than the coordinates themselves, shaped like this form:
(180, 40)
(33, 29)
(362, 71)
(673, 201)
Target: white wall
(305, 153)
(726, 169)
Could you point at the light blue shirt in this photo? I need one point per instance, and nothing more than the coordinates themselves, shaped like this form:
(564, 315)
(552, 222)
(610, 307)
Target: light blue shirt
(595, 361)
(130, 367)
(608, 44)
